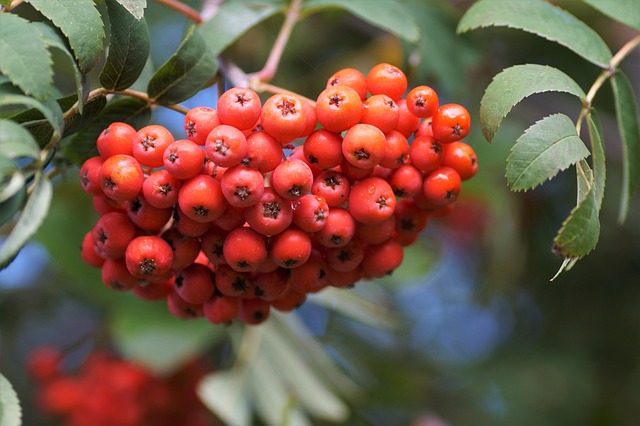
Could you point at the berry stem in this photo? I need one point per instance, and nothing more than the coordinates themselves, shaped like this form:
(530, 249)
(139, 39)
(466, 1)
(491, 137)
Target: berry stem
(273, 61)
(182, 8)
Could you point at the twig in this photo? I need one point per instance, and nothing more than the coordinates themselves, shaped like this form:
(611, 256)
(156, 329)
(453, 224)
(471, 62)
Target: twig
(185, 9)
(261, 86)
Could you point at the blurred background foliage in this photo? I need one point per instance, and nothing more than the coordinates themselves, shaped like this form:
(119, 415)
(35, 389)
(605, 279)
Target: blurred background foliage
(468, 331)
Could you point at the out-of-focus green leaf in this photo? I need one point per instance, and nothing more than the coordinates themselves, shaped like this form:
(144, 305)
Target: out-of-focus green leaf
(584, 176)
(5, 3)
(80, 22)
(10, 411)
(135, 7)
(224, 393)
(597, 153)
(11, 178)
(49, 108)
(82, 145)
(150, 335)
(54, 40)
(24, 57)
(233, 19)
(541, 18)
(357, 307)
(625, 11)
(92, 109)
(128, 48)
(11, 204)
(579, 233)
(628, 119)
(516, 83)
(546, 148)
(34, 212)
(391, 15)
(185, 73)
(17, 141)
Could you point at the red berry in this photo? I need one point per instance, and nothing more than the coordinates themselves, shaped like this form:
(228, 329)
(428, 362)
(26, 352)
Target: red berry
(149, 258)
(372, 200)
(422, 101)
(201, 199)
(183, 159)
(121, 177)
(388, 80)
(338, 108)
(198, 122)
(450, 123)
(442, 186)
(239, 107)
(349, 77)
(116, 139)
(149, 145)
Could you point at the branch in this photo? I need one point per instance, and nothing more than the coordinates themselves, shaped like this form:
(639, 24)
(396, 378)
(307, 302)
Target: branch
(182, 8)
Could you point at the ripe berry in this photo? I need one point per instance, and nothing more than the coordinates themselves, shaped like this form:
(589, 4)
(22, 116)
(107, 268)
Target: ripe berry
(346, 258)
(153, 292)
(254, 311)
(406, 181)
(450, 123)
(212, 245)
(290, 300)
(396, 150)
(462, 158)
(422, 101)
(349, 77)
(116, 139)
(116, 276)
(112, 234)
(121, 177)
(221, 309)
(239, 107)
(323, 148)
(149, 258)
(147, 217)
(179, 308)
(310, 213)
(425, 153)
(272, 285)
(380, 111)
(339, 229)
(332, 186)
(226, 146)
(244, 249)
(195, 283)
(388, 80)
(187, 226)
(88, 251)
(201, 199)
(160, 189)
(442, 186)
(309, 277)
(376, 233)
(185, 249)
(183, 159)
(292, 179)
(198, 122)
(264, 152)
(103, 205)
(283, 117)
(271, 215)
(231, 282)
(232, 218)
(371, 200)
(290, 248)
(411, 220)
(338, 108)
(363, 146)
(150, 143)
(407, 122)
(382, 259)
(242, 186)
(43, 363)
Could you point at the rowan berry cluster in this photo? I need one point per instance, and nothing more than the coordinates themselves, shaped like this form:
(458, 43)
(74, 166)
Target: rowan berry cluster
(263, 204)
(109, 391)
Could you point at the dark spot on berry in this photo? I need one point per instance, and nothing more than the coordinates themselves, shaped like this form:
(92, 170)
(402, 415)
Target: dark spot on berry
(148, 143)
(190, 128)
(400, 159)
(239, 284)
(473, 160)
(246, 161)
(221, 147)
(319, 215)
(258, 291)
(336, 239)
(450, 195)
(436, 147)
(322, 274)
(240, 99)
(420, 102)
(290, 263)
(217, 250)
(361, 154)
(179, 280)
(271, 209)
(147, 266)
(335, 81)
(102, 236)
(457, 130)
(242, 192)
(399, 192)
(390, 103)
(335, 100)
(344, 255)
(200, 211)
(407, 224)
(258, 315)
(84, 179)
(382, 202)
(332, 181)
(243, 264)
(109, 183)
(286, 107)
(135, 205)
(106, 131)
(164, 189)
(173, 156)
(296, 190)
(312, 159)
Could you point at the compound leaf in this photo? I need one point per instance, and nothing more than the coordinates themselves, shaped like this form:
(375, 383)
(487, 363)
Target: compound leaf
(546, 148)
(541, 18)
(233, 19)
(49, 108)
(34, 212)
(10, 411)
(185, 73)
(625, 11)
(628, 117)
(24, 57)
(17, 141)
(128, 48)
(513, 84)
(400, 22)
(579, 233)
(135, 7)
(80, 22)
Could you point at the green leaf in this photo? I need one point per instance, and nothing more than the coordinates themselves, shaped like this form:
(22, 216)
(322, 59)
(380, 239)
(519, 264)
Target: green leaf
(391, 15)
(5, 3)
(11, 204)
(82, 145)
(30, 220)
(233, 19)
(357, 307)
(55, 41)
(185, 73)
(128, 48)
(17, 141)
(10, 411)
(514, 84)
(224, 393)
(579, 233)
(546, 148)
(24, 57)
(148, 334)
(627, 116)
(49, 108)
(80, 22)
(11, 178)
(625, 11)
(135, 7)
(597, 152)
(92, 109)
(541, 18)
